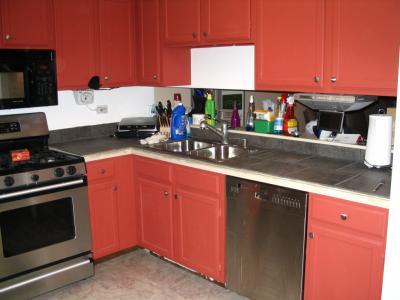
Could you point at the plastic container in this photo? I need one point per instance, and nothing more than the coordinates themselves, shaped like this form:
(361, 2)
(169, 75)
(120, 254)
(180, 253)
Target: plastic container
(210, 110)
(263, 126)
(178, 122)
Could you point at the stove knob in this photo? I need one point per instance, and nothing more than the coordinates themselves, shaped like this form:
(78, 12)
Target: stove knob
(59, 172)
(71, 170)
(35, 177)
(9, 181)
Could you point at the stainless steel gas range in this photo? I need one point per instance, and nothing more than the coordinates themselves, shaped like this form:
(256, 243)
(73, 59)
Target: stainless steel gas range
(45, 238)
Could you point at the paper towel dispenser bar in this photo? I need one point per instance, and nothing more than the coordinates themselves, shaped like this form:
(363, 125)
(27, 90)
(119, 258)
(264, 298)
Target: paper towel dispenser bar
(338, 103)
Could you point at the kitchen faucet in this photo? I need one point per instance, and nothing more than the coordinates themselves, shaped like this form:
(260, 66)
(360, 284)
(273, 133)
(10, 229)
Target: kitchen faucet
(222, 132)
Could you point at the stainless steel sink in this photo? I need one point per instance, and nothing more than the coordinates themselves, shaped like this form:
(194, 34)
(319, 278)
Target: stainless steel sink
(182, 146)
(219, 152)
(204, 150)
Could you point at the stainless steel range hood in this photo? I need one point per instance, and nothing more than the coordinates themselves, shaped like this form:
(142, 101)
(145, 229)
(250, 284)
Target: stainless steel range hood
(340, 103)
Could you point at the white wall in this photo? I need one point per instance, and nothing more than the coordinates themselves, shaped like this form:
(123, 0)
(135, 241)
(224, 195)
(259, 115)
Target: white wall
(230, 68)
(391, 290)
(122, 102)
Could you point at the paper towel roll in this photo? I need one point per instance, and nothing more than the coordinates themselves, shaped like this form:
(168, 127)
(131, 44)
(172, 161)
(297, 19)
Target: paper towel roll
(379, 141)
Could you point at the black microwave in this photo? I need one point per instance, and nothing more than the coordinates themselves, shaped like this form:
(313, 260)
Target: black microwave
(27, 78)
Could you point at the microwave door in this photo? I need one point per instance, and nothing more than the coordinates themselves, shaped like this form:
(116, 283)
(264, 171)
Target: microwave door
(12, 89)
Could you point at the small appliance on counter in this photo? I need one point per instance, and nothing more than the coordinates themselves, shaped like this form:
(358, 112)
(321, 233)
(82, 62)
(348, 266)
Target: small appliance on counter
(379, 141)
(136, 127)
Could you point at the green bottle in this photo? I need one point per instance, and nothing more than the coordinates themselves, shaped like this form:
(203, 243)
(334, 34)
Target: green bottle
(210, 110)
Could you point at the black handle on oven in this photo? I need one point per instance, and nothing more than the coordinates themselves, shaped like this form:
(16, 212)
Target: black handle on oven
(42, 189)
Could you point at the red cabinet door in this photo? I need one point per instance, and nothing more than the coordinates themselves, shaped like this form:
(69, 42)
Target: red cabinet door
(116, 42)
(342, 265)
(27, 24)
(76, 43)
(149, 49)
(155, 216)
(199, 200)
(289, 45)
(345, 250)
(181, 21)
(198, 234)
(363, 48)
(226, 21)
(104, 218)
(126, 202)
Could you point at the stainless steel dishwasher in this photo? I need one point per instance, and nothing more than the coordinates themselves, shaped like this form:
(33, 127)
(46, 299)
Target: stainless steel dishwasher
(265, 240)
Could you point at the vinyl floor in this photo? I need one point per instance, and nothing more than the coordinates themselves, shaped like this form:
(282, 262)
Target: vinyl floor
(140, 275)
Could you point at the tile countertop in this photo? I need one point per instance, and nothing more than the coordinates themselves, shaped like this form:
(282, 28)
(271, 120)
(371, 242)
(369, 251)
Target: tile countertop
(331, 177)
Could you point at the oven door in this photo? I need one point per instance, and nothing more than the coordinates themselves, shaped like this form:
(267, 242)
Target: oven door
(43, 225)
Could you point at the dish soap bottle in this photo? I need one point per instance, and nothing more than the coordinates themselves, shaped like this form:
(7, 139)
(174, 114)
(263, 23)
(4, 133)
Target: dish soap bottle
(235, 118)
(250, 115)
(210, 110)
(178, 122)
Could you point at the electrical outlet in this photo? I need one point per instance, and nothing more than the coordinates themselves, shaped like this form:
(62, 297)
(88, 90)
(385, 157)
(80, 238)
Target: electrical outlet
(84, 97)
(102, 109)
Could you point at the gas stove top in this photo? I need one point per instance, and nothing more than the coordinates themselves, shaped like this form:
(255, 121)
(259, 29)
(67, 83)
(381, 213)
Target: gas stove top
(39, 159)
(26, 159)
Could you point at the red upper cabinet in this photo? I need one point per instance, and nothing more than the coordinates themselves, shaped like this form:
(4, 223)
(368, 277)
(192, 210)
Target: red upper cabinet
(363, 46)
(226, 21)
(27, 24)
(207, 22)
(290, 45)
(116, 42)
(328, 46)
(181, 21)
(149, 47)
(156, 63)
(345, 250)
(76, 64)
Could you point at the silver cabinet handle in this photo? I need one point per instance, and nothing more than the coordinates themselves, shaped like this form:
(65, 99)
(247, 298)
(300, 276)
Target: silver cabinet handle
(343, 216)
(194, 35)
(166, 193)
(8, 37)
(311, 235)
(106, 78)
(333, 79)
(154, 76)
(316, 79)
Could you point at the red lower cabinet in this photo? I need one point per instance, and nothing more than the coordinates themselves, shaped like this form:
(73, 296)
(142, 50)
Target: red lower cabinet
(112, 206)
(181, 215)
(200, 221)
(155, 206)
(104, 218)
(345, 250)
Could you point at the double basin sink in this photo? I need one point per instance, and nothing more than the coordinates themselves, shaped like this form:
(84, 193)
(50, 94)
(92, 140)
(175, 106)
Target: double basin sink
(205, 150)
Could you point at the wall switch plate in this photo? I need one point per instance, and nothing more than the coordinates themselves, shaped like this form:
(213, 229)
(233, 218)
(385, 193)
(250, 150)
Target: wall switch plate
(84, 97)
(102, 109)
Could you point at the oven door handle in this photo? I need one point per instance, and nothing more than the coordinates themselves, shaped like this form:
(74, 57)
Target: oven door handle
(42, 189)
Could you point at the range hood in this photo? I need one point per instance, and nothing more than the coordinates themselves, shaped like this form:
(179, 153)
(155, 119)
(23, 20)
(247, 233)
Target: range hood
(339, 103)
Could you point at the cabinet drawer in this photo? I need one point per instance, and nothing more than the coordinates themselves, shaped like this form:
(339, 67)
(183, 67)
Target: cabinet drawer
(102, 169)
(153, 169)
(355, 216)
(199, 181)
